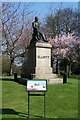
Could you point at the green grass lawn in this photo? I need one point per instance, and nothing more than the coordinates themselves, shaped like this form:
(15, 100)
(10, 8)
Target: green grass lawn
(61, 101)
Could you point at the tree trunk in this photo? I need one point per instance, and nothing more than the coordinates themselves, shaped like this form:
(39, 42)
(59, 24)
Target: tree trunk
(57, 66)
(10, 70)
(69, 70)
(65, 72)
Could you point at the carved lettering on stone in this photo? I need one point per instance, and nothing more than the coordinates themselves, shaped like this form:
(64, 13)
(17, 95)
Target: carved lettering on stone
(43, 57)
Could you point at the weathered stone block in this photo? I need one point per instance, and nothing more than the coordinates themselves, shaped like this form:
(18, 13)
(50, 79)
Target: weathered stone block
(39, 61)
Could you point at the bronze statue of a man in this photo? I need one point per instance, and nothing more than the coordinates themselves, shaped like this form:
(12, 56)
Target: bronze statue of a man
(37, 35)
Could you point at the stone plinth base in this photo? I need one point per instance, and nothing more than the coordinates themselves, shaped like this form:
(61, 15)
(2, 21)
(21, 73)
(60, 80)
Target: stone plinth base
(55, 81)
(39, 62)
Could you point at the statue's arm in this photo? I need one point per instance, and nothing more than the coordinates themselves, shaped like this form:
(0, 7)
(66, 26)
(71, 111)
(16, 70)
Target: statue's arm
(33, 24)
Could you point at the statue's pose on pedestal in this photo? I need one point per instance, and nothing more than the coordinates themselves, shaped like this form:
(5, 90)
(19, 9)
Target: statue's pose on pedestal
(37, 35)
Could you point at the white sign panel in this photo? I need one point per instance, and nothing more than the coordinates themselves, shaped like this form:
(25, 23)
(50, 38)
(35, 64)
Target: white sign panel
(36, 85)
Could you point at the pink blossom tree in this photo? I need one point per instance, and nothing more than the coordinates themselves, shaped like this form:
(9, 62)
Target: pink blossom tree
(65, 47)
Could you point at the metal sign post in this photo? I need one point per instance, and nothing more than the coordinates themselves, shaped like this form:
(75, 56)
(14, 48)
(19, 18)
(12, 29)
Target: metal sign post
(28, 104)
(44, 105)
(36, 86)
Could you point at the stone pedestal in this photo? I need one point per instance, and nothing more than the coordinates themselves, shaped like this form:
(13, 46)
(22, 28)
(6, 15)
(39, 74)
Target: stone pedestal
(39, 62)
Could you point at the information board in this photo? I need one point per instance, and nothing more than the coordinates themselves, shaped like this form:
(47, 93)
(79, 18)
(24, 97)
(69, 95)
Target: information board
(36, 85)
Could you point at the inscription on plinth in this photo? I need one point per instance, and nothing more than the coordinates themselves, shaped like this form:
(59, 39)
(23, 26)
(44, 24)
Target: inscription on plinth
(43, 57)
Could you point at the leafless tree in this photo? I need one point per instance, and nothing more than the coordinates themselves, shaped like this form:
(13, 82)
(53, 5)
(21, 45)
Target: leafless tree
(16, 29)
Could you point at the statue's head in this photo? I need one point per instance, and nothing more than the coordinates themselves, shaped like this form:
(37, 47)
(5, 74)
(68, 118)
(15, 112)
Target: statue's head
(36, 18)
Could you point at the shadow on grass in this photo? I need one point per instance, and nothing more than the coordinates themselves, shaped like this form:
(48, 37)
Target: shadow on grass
(8, 111)
(18, 80)
(7, 79)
